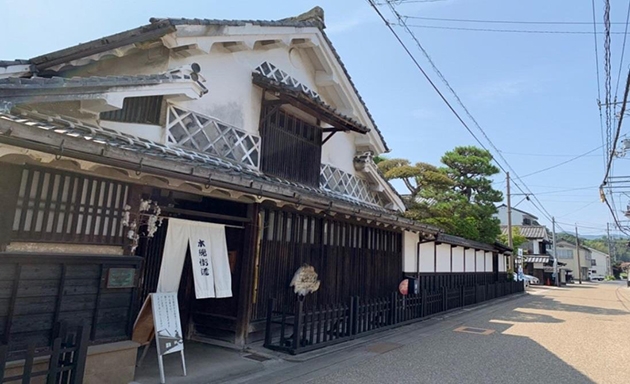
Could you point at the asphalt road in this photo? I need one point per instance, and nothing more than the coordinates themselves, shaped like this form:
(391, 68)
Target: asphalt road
(578, 334)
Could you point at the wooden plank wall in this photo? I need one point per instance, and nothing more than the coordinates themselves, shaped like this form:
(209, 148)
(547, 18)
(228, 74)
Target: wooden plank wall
(350, 259)
(37, 290)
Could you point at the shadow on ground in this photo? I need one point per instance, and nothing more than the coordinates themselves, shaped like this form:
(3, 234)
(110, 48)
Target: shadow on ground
(549, 304)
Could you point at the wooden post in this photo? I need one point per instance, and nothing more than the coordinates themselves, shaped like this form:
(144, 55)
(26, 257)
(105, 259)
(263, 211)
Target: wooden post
(271, 303)
(248, 260)
(4, 351)
(53, 364)
(80, 355)
(462, 292)
(394, 308)
(423, 303)
(354, 315)
(297, 324)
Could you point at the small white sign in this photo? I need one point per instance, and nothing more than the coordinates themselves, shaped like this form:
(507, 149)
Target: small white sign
(168, 329)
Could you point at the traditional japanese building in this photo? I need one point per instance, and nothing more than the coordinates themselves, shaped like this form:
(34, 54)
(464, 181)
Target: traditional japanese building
(253, 125)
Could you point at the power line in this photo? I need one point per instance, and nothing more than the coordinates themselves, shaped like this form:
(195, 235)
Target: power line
(542, 154)
(623, 50)
(542, 209)
(599, 87)
(566, 190)
(614, 142)
(532, 31)
(506, 21)
(562, 163)
(607, 71)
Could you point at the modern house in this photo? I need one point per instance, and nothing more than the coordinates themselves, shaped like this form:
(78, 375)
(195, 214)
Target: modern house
(519, 217)
(567, 254)
(538, 261)
(253, 126)
(600, 265)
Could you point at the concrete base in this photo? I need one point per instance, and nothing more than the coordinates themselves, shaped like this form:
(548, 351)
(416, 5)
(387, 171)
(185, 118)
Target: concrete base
(111, 363)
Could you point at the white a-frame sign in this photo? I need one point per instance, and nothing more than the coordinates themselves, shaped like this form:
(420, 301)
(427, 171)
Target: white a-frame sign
(168, 329)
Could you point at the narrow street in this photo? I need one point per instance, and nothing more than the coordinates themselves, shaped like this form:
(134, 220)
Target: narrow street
(576, 334)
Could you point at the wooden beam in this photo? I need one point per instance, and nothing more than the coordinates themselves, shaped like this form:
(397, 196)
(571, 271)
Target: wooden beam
(248, 261)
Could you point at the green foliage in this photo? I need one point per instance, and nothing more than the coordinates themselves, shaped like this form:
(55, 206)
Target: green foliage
(517, 238)
(609, 278)
(619, 246)
(457, 197)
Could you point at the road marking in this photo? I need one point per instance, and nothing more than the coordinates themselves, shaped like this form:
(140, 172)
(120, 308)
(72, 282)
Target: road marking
(476, 331)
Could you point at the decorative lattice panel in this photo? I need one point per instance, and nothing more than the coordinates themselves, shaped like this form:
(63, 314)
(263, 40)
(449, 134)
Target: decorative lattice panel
(206, 134)
(336, 180)
(271, 71)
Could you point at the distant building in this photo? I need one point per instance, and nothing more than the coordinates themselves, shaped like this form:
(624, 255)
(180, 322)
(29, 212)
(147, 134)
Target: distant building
(566, 253)
(518, 217)
(600, 265)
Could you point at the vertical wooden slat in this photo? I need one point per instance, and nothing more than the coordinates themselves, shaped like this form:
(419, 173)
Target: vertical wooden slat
(25, 202)
(12, 301)
(98, 303)
(28, 364)
(59, 197)
(67, 210)
(98, 185)
(4, 351)
(36, 203)
(53, 362)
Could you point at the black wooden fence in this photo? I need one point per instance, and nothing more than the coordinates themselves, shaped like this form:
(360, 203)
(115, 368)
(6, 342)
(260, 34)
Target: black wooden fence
(306, 329)
(66, 358)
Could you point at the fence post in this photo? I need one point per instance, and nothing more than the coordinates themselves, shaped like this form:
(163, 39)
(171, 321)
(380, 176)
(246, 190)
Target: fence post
(461, 292)
(80, 355)
(394, 308)
(423, 303)
(271, 303)
(444, 299)
(4, 351)
(297, 324)
(351, 317)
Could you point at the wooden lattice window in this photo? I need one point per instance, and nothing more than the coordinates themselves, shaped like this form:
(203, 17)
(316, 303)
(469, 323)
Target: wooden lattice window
(55, 206)
(291, 147)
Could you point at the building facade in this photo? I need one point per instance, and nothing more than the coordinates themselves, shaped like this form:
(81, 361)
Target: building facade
(578, 268)
(254, 126)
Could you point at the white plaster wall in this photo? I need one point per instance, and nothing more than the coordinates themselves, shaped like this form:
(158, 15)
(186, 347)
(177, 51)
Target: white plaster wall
(458, 259)
(443, 258)
(410, 241)
(489, 262)
(480, 261)
(234, 99)
(501, 263)
(147, 131)
(470, 260)
(427, 257)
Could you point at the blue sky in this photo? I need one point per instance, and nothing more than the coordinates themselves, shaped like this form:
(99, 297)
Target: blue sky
(534, 94)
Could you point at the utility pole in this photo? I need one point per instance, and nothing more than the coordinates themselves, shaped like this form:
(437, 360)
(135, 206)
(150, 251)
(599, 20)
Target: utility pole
(509, 219)
(577, 250)
(555, 254)
(608, 238)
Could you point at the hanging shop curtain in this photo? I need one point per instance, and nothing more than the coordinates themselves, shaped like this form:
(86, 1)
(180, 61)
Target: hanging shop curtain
(208, 250)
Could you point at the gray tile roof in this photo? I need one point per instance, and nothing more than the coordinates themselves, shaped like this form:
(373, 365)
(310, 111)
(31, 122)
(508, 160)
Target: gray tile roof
(16, 83)
(161, 26)
(529, 231)
(8, 63)
(299, 93)
(109, 138)
(15, 90)
(460, 241)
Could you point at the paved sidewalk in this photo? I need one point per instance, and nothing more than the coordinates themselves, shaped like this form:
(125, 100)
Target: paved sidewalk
(575, 334)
